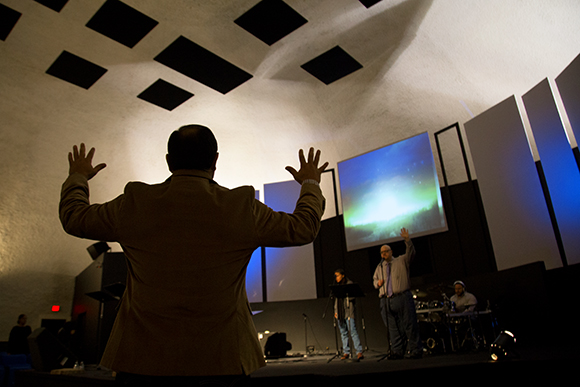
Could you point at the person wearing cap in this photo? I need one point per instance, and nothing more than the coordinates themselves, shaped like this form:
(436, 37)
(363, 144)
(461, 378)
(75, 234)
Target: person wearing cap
(345, 315)
(463, 316)
(464, 301)
(392, 278)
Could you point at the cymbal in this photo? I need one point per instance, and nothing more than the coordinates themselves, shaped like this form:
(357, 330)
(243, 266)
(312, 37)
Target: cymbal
(440, 287)
(418, 293)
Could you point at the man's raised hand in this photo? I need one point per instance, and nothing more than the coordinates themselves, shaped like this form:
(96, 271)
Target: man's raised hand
(405, 234)
(308, 169)
(83, 164)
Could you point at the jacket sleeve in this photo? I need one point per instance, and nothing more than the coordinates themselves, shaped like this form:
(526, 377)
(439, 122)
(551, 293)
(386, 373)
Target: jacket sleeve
(279, 229)
(409, 251)
(82, 219)
(377, 275)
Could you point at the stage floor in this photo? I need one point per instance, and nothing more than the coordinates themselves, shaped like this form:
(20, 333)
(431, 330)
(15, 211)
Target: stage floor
(525, 365)
(373, 362)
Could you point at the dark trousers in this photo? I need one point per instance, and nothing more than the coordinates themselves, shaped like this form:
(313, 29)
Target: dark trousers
(400, 317)
(132, 380)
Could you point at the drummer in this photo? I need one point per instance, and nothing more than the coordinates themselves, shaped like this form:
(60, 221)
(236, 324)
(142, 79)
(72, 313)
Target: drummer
(464, 301)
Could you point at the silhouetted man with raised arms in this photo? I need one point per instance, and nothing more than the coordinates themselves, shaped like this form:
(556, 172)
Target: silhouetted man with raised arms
(184, 316)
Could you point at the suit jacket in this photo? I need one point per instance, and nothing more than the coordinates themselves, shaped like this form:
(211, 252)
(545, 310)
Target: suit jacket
(187, 242)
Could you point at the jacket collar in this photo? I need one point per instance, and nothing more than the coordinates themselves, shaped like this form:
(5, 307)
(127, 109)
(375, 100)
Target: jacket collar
(193, 173)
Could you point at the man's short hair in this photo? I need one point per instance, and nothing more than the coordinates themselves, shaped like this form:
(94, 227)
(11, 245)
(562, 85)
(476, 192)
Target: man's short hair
(191, 147)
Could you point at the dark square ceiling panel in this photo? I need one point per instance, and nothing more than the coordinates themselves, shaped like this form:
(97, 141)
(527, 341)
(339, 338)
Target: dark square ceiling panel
(8, 19)
(165, 95)
(270, 20)
(194, 61)
(55, 5)
(122, 23)
(369, 3)
(332, 65)
(76, 70)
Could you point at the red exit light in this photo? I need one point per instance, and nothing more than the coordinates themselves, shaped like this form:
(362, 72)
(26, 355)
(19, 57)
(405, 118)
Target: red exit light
(56, 308)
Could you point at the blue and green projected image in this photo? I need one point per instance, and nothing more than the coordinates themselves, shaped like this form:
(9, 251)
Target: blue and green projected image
(392, 187)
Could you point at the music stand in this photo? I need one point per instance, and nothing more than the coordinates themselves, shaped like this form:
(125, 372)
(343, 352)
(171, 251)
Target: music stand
(346, 291)
(102, 296)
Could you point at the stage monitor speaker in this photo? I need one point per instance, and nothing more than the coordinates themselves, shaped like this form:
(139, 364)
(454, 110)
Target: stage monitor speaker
(48, 353)
(276, 346)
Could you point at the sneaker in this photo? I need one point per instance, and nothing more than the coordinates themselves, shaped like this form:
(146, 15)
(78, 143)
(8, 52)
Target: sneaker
(359, 356)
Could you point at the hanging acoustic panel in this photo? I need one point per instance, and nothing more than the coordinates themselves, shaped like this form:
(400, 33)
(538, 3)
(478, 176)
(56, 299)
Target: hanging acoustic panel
(332, 65)
(8, 19)
(569, 87)
(515, 208)
(55, 5)
(270, 20)
(76, 70)
(559, 166)
(254, 281)
(122, 23)
(290, 271)
(202, 65)
(165, 95)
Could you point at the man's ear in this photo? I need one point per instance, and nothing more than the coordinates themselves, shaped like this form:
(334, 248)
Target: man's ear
(168, 160)
(215, 161)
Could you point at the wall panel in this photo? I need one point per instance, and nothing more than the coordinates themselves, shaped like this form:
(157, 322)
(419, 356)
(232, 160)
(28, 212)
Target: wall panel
(516, 211)
(559, 166)
(569, 88)
(290, 272)
(254, 273)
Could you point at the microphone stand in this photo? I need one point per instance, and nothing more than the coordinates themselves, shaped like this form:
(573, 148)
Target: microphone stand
(385, 356)
(337, 353)
(305, 334)
(362, 314)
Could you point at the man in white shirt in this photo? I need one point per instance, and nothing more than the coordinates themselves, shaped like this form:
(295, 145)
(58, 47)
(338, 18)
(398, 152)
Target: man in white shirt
(464, 301)
(392, 278)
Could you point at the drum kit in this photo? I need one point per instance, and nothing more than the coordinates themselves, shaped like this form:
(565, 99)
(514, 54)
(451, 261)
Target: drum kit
(444, 329)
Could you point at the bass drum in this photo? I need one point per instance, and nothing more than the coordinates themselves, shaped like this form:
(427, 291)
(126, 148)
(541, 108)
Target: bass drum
(435, 337)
